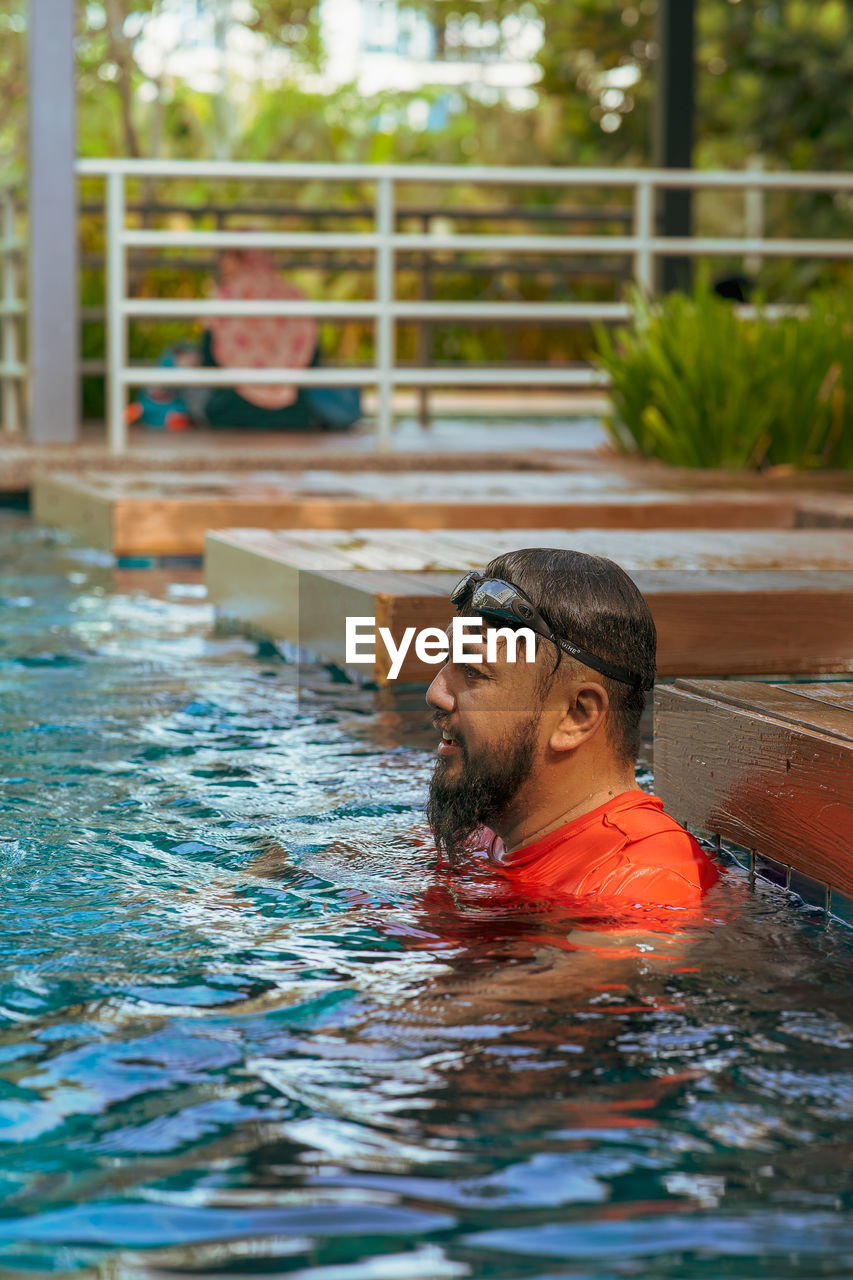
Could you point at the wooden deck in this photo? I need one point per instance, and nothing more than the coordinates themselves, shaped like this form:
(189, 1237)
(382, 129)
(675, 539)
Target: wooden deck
(471, 431)
(826, 511)
(724, 603)
(166, 513)
(766, 766)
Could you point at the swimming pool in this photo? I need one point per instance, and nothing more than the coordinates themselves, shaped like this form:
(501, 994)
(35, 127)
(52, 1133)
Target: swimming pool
(236, 1039)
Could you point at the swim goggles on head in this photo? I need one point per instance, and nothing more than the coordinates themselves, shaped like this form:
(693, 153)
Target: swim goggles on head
(501, 599)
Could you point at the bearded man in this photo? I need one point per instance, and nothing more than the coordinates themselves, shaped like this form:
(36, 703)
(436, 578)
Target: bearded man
(536, 764)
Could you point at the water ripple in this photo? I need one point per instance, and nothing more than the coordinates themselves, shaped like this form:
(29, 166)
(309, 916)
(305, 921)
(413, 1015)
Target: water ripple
(246, 1027)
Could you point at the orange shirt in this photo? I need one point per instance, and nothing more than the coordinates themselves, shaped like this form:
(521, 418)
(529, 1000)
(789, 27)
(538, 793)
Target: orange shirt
(627, 851)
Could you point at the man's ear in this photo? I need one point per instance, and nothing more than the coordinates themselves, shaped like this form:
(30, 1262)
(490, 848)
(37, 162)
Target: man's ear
(583, 713)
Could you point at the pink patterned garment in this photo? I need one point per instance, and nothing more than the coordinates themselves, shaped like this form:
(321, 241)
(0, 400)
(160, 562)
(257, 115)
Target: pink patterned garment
(265, 342)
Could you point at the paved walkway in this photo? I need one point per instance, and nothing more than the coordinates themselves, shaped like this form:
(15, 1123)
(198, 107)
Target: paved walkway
(537, 439)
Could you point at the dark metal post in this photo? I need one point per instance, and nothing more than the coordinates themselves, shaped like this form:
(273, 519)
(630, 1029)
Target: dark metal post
(674, 112)
(53, 302)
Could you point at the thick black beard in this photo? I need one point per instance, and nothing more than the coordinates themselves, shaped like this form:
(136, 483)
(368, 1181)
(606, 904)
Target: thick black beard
(456, 810)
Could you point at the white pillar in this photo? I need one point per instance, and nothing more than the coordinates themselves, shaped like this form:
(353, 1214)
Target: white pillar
(385, 354)
(53, 295)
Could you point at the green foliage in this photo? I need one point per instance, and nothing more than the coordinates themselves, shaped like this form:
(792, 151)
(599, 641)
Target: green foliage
(774, 80)
(12, 81)
(694, 385)
(598, 64)
(781, 80)
(774, 77)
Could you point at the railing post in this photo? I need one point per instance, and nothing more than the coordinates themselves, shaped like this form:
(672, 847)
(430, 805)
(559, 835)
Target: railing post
(753, 200)
(115, 291)
(424, 339)
(644, 257)
(385, 318)
(11, 385)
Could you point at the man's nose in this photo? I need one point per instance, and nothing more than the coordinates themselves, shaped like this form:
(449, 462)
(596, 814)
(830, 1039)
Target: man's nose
(438, 695)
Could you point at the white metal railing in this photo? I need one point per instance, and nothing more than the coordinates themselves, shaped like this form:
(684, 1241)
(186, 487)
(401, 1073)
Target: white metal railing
(643, 245)
(13, 372)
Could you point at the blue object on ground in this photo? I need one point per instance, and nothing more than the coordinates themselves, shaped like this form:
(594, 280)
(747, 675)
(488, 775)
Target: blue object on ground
(338, 408)
(162, 408)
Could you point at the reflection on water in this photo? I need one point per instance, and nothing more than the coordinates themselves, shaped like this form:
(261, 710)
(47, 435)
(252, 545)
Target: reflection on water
(246, 1028)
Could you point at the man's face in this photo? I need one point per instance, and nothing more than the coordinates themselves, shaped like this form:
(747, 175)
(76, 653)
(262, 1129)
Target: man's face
(490, 717)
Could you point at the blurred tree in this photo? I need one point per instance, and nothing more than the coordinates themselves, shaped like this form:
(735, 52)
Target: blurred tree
(13, 84)
(135, 46)
(775, 78)
(777, 81)
(774, 85)
(597, 64)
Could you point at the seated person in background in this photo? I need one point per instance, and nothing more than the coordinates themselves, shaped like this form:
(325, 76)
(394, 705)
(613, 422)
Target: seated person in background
(268, 342)
(535, 776)
(257, 342)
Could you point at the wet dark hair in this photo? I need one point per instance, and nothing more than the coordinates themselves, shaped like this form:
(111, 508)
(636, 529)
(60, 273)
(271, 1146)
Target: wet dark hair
(591, 601)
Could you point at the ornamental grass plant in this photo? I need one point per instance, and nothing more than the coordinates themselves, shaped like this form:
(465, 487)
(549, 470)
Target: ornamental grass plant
(695, 384)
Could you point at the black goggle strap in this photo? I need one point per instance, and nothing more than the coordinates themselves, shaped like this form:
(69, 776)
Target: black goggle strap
(611, 669)
(537, 623)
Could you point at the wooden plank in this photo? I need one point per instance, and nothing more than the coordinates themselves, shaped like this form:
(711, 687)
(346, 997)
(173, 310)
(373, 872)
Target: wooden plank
(255, 592)
(153, 452)
(509, 448)
(762, 551)
(399, 611)
(324, 604)
(704, 632)
(754, 627)
(782, 702)
(168, 514)
(469, 482)
(85, 512)
(782, 788)
(709, 622)
(169, 527)
(829, 691)
(826, 511)
(711, 632)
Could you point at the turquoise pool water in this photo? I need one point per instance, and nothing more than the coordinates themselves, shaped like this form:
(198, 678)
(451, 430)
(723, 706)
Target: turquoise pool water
(246, 1030)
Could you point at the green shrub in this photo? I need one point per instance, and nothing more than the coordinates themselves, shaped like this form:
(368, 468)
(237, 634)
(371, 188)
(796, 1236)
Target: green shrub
(695, 385)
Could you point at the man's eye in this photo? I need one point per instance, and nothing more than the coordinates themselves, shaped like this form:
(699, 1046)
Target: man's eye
(473, 672)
